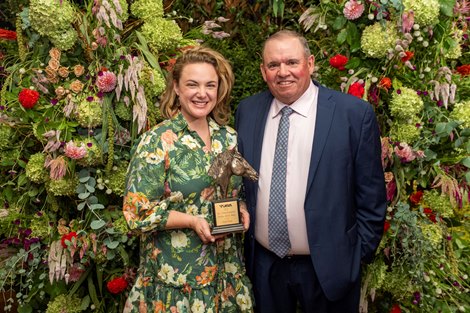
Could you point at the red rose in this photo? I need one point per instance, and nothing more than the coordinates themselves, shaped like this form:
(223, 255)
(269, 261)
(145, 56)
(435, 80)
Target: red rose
(68, 237)
(408, 56)
(117, 285)
(7, 34)
(395, 309)
(464, 70)
(356, 89)
(386, 226)
(28, 98)
(416, 197)
(430, 214)
(339, 61)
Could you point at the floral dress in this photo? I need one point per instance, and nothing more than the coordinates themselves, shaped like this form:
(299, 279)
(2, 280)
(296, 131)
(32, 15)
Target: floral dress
(178, 273)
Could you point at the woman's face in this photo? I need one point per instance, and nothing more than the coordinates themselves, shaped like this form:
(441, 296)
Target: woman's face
(197, 90)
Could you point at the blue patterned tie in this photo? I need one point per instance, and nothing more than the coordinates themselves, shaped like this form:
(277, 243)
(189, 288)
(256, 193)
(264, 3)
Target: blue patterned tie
(279, 242)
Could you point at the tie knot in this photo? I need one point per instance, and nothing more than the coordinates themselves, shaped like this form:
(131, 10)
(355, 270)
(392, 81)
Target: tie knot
(286, 111)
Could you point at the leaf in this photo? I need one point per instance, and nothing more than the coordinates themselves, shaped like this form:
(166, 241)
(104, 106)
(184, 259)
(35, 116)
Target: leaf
(466, 162)
(83, 195)
(447, 7)
(85, 303)
(96, 206)
(90, 188)
(110, 243)
(339, 22)
(81, 205)
(353, 63)
(97, 224)
(92, 292)
(343, 34)
(80, 188)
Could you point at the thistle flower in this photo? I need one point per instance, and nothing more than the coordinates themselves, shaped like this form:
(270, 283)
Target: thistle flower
(75, 152)
(353, 9)
(106, 82)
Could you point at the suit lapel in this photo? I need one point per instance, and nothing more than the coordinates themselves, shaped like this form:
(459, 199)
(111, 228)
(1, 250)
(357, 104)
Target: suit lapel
(325, 112)
(260, 124)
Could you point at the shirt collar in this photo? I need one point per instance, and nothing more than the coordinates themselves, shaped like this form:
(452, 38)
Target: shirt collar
(302, 105)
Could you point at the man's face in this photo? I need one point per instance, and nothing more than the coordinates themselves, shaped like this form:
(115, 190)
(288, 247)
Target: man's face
(286, 68)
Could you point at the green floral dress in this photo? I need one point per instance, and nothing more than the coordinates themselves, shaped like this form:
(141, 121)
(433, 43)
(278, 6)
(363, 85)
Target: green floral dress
(178, 273)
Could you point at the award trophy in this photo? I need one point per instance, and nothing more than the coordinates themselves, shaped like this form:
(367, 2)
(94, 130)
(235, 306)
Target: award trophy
(226, 211)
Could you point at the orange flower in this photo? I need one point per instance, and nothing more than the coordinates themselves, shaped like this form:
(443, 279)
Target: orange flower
(159, 307)
(207, 276)
(408, 56)
(464, 70)
(385, 83)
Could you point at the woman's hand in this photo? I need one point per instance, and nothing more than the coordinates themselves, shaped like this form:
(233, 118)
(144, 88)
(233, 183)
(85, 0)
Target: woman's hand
(245, 216)
(203, 230)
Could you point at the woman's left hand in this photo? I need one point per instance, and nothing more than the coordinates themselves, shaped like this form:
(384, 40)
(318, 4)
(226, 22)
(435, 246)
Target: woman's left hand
(244, 215)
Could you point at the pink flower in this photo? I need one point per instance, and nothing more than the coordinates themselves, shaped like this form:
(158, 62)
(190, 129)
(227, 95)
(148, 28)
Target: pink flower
(72, 151)
(407, 21)
(353, 9)
(58, 167)
(106, 82)
(404, 152)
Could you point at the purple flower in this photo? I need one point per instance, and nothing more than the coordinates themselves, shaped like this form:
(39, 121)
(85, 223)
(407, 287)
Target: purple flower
(2, 107)
(398, 91)
(54, 101)
(89, 144)
(90, 99)
(439, 103)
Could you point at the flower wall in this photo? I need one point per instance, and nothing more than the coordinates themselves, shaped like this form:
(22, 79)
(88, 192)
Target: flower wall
(80, 80)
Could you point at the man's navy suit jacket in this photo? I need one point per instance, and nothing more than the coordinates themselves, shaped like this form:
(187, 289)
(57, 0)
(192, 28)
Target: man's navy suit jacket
(345, 201)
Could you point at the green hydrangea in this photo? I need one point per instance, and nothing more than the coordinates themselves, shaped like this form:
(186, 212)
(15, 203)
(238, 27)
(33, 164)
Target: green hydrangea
(40, 226)
(461, 112)
(64, 304)
(398, 283)
(154, 115)
(9, 157)
(426, 12)
(147, 9)
(376, 39)
(53, 20)
(117, 179)
(94, 155)
(120, 225)
(406, 104)
(35, 170)
(89, 114)
(123, 111)
(438, 202)
(454, 52)
(402, 132)
(378, 270)
(432, 233)
(153, 82)
(162, 34)
(6, 133)
(62, 187)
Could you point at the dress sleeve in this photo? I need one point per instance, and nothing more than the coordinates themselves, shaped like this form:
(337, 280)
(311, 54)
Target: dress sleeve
(145, 206)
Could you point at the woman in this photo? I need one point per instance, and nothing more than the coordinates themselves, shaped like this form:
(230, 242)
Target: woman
(168, 197)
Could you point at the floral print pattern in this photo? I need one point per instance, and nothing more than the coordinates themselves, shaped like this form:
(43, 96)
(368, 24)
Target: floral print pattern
(178, 273)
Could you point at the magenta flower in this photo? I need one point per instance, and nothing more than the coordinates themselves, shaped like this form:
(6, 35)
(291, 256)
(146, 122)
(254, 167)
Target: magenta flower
(353, 9)
(74, 152)
(106, 82)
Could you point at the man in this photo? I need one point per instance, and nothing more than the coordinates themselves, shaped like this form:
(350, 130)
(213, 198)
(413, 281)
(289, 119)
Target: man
(329, 187)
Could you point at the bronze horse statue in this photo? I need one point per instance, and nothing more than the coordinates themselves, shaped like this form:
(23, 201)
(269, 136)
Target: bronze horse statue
(228, 163)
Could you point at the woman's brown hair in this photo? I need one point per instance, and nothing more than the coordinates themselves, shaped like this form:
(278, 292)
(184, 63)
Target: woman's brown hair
(221, 112)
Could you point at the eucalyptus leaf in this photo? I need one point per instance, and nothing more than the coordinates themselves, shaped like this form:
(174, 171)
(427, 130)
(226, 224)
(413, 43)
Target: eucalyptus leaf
(97, 224)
